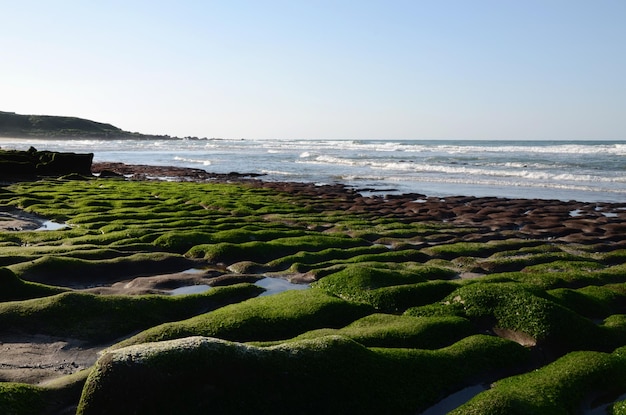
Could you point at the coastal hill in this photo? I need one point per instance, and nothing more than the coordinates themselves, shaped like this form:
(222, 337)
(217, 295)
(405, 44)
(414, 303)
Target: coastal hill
(48, 126)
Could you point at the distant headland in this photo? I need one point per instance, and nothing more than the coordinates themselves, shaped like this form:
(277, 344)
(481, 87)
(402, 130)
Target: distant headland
(48, 126)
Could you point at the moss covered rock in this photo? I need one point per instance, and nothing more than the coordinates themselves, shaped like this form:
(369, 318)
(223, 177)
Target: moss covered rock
(327, 375)
(569, 385)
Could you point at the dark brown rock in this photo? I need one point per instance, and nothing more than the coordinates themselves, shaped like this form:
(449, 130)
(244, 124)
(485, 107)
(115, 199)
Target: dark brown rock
(31, 163)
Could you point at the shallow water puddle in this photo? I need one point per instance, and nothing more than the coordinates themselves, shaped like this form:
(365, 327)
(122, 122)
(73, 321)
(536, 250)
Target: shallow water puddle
(455, 400)
(50, 225)
(190, 289)
(194, 271)
(271, 285)
(277, 285)
(576, 213)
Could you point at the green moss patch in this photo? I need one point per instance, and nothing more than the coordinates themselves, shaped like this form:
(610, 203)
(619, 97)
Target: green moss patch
(265, 318)
(387, 330)
(13, 288)
(380, 284)
(100, 319)
(593, 301)
(566, 386)
(259, 251)
(21, 399)
(514, 308)
(475, 249)
(326, 375)
(76, 272)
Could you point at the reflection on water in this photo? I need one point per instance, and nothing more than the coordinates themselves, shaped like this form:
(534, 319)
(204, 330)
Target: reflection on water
(50, 225)
(271, 285)
(190, 289)
(277, 285)
(194, 271)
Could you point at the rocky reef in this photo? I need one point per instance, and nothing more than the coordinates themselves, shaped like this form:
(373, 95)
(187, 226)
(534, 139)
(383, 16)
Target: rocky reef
(404, 300)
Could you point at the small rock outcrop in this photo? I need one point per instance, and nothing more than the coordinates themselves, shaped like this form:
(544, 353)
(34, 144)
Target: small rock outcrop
(32, 163)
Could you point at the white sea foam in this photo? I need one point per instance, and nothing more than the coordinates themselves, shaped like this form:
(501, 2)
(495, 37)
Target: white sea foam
(568, 170)
(338, 161)
(278, 173)
(193, 161)
(465, 170)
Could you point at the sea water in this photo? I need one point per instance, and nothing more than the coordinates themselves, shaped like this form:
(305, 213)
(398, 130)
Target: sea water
(590, 171)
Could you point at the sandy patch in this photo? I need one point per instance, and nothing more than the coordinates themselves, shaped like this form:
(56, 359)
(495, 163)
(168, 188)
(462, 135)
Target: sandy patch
(470, 275)
(18, 220)
(39, 358)
(156, 284)
(516, 336)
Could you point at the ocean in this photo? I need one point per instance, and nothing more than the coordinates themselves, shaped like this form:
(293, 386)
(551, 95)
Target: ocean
(588, 171)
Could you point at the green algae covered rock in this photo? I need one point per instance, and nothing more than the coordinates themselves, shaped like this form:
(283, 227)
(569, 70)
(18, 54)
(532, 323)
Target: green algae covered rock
(521, 312)
(355, 280)
(78, 272)
(388, 330)
(617, 408)
(568, 385)
(327, 375)
(277, 317)
(21, 399)
(13, 288)
(259, 251)
(97, 319)
(55, 397)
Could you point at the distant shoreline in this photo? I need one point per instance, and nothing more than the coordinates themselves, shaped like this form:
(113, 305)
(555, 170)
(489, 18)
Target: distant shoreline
(87, 136)
(26, 126)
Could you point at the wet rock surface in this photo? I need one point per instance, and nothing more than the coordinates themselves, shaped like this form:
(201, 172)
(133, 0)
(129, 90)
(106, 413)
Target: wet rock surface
(144, 172)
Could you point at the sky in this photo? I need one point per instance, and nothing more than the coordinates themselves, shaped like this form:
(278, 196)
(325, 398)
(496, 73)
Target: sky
(341, 69)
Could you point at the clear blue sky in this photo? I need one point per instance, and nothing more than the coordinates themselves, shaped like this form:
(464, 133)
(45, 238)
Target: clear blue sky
(449, 69)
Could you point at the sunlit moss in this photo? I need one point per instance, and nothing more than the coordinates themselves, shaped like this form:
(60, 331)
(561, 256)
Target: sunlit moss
(360, 282)
(388, 330)
(563, 386)
(21, 399)
(265, 318)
